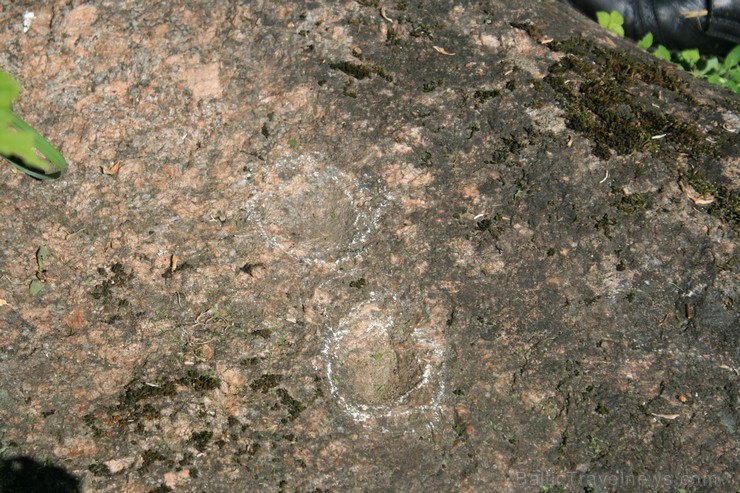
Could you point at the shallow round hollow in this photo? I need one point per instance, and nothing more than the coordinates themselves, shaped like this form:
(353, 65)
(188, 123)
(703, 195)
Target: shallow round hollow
(375, 367)
(382, 361)
(313, 212)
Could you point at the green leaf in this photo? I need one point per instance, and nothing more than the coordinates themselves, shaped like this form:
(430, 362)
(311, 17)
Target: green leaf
(37, 158)
(689, 56)
(732, 59)
(715, 79)
(5, 119)
(646, 41)
(35, 287)
(735, 75)
(603, 18)
(612, 21)
(616, 23)
(710, 65)
(20, 145)
(662, 53)
(732, 86)
(41, 255)
(9, 89)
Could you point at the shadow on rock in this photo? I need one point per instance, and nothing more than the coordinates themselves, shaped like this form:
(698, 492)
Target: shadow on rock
(24, 474)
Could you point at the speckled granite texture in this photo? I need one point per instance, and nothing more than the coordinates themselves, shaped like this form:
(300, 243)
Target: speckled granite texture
(363, 246)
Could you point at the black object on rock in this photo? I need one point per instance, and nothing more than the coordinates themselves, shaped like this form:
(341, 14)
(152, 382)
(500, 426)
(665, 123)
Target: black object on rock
(25, 474)
(712, 26)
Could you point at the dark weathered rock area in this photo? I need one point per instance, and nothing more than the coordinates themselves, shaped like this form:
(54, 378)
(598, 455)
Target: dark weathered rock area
(365, 246)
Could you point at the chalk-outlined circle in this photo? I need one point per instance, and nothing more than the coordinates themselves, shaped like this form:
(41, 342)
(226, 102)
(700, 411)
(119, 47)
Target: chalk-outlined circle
(381, 362)
(314, 213)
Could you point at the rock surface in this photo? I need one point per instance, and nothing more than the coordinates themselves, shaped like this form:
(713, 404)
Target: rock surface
(365, 246)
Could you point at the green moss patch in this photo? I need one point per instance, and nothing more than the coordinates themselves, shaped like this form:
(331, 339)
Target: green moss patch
(726, 204)
(294, 406)
(200, 381)
(607, 97)
(360, 70)
(266, 382)
(200, 439)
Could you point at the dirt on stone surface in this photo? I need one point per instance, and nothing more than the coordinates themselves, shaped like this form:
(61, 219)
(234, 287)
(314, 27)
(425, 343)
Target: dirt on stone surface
(364, 246)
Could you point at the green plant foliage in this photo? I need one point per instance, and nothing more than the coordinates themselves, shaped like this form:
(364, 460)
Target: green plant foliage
(732, 60)
(20, 144)
(725, 73)
(9, 89)
(722, 73)
(41, 255)
(663, 53)
(612, 21)
(689, 57)
(35, 287)
(646, 41)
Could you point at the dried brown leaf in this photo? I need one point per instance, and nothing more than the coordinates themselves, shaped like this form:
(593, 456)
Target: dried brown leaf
(442, 51)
